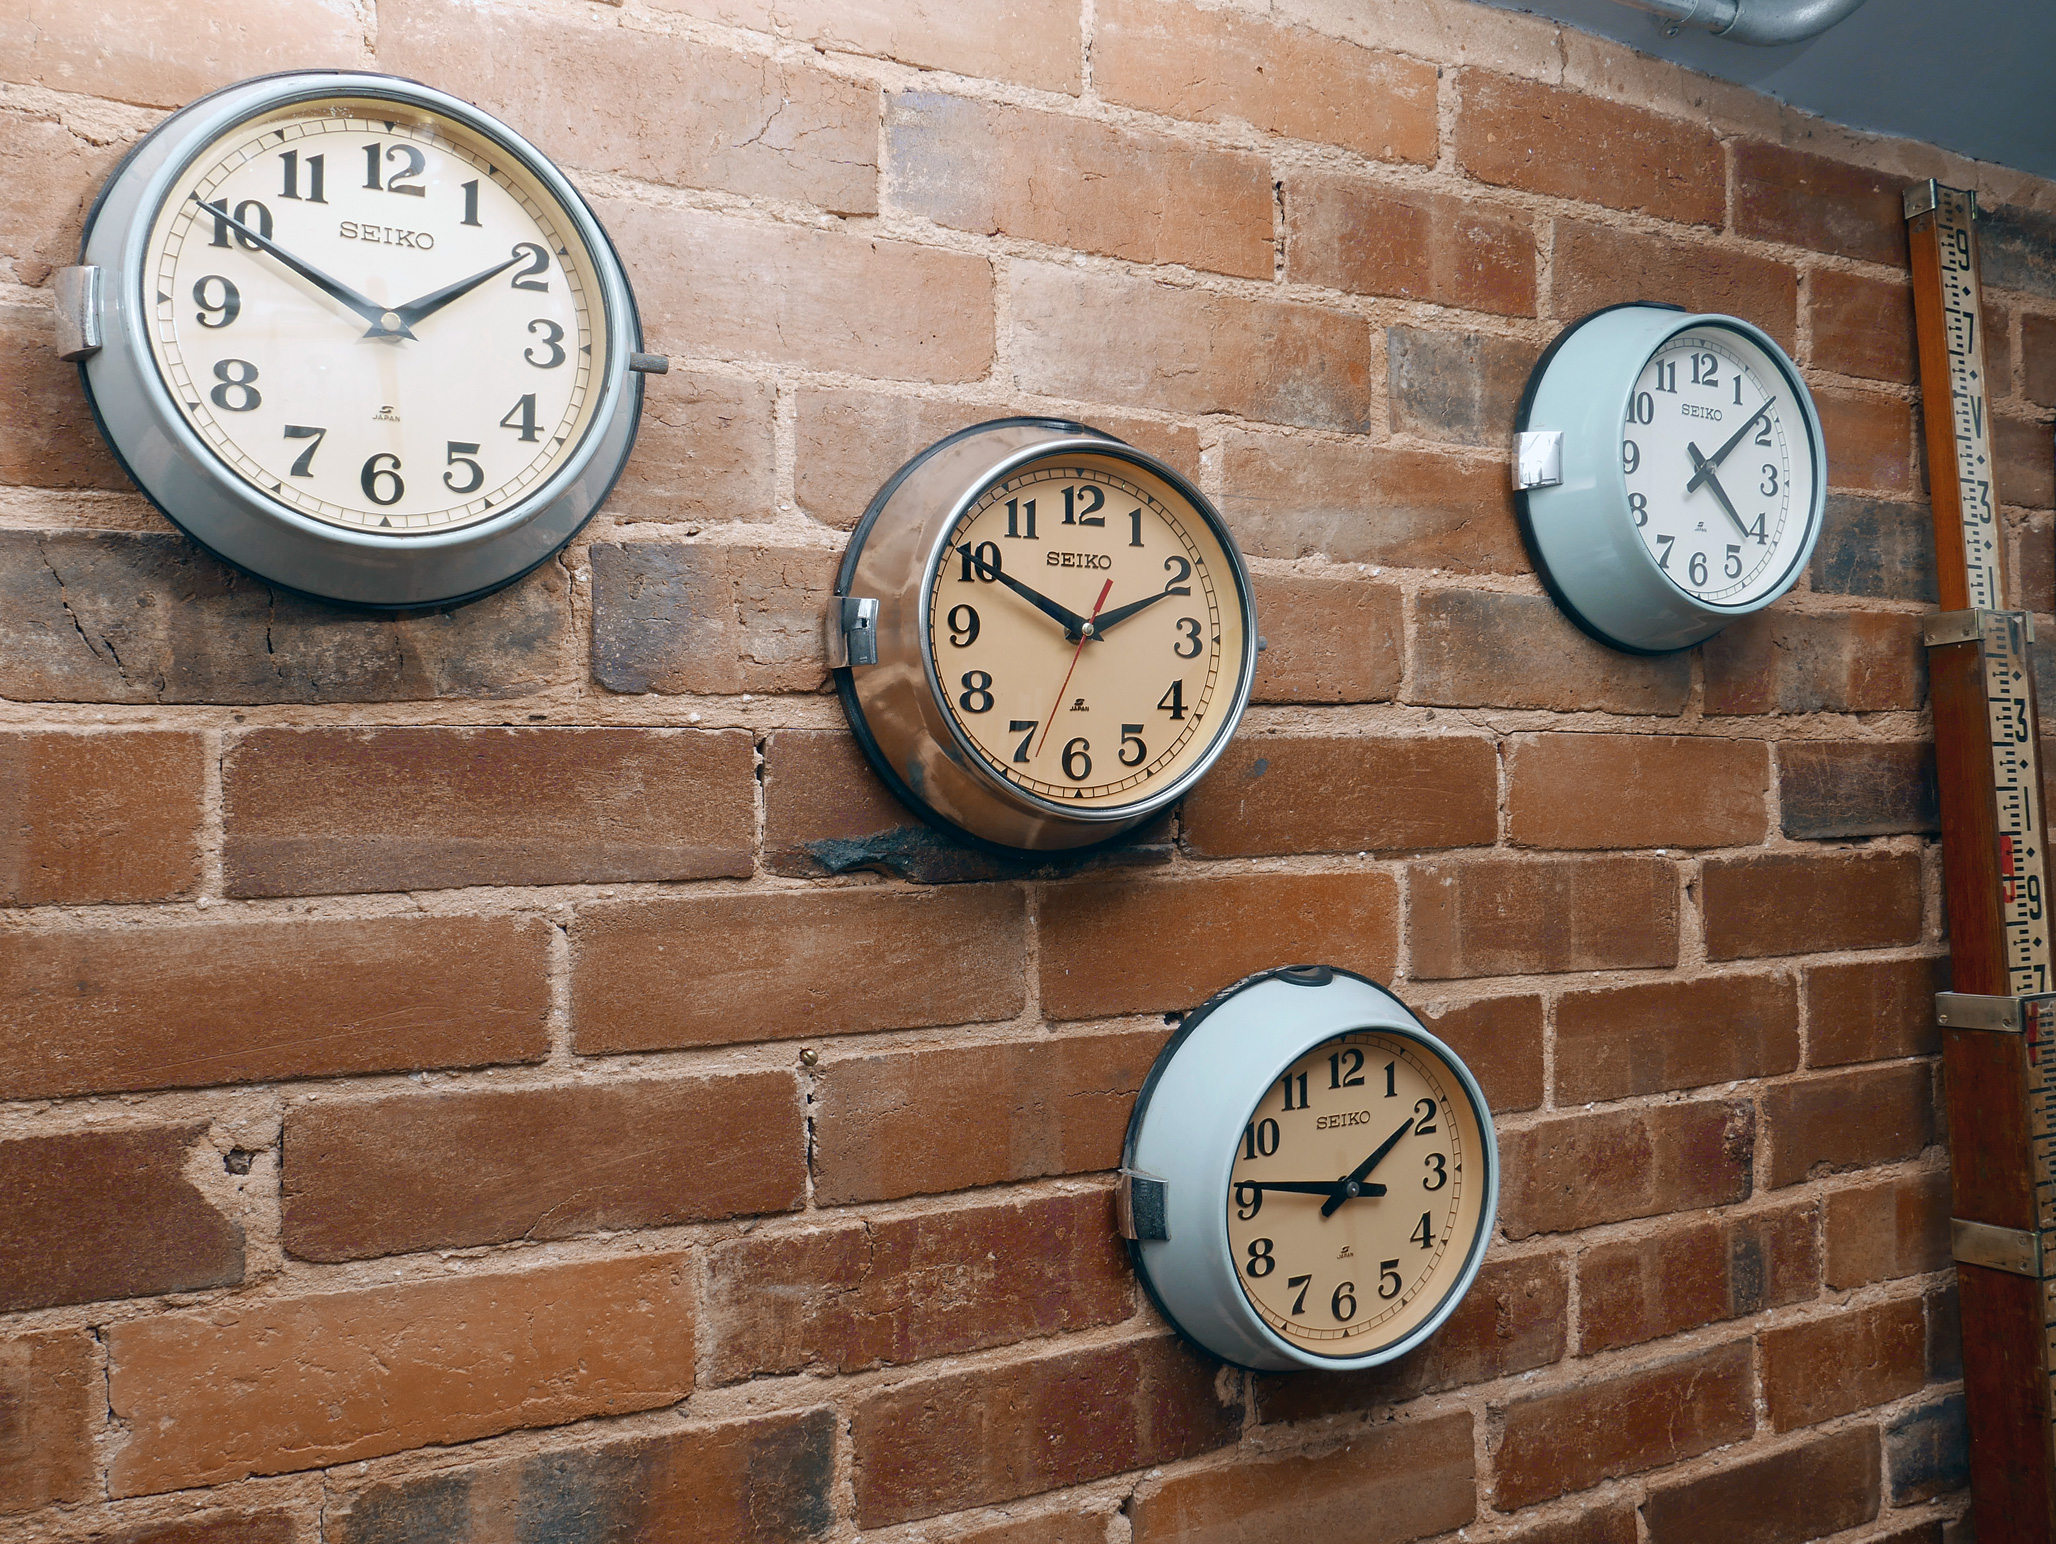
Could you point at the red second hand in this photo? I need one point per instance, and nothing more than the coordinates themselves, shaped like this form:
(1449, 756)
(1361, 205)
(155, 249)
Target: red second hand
(1083, 639)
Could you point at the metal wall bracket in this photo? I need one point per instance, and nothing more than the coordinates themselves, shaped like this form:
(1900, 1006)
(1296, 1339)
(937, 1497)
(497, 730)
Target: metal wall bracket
(1142, 1202)
(1939, 629)
(1925, 197)
(1972, 1010)
(1538, 458)
(78, 311)
(849, 631)
(1996, 1248)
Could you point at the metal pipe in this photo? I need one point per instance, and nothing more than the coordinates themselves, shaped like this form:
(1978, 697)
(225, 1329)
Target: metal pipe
(1765, 23)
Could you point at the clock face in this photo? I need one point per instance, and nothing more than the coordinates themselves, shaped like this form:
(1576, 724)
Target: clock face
(1384, 1112)
(1086, 631)
(374, 315)
(1720, 469)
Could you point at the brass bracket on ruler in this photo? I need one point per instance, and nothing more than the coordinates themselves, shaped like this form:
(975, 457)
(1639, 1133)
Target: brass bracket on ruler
(1939, 629)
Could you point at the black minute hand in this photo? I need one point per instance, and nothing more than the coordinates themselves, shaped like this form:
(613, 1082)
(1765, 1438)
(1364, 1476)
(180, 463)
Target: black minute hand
(1303, 1187)
(363, 305)
(1734, 439)
(414, 310)
(1352, 1182)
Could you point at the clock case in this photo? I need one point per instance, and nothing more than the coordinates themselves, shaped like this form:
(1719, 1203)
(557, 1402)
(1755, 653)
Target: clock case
(893, 698)
(1179, 1156)
(180, 474)
(1578, 531)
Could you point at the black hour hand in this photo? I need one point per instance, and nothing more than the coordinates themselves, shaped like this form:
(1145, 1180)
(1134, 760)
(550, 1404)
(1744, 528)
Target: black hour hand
(414, 310)
(1107, 619)
(1304, 1187)
(1352, 1182)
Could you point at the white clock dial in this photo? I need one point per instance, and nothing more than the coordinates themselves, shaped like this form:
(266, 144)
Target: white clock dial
(1719, 474)
(373, 316)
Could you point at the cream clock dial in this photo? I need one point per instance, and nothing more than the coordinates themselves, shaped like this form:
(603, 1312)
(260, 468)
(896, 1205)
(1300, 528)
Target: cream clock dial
(384, 339)
(1061, 637)
(1333, 1215)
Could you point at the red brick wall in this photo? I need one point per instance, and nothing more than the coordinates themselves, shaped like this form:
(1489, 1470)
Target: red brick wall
(511, 1075)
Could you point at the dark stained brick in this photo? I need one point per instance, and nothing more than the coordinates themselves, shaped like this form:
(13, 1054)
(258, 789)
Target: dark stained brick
(1455, 386)
(2017, 248)
(1927, 1451)
(690, 617)
(1479, 648)
(1800, 1493)
(1829, 789)
(1876, 547)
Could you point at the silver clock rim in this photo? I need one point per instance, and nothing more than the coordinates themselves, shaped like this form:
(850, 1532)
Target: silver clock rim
(1116, 450)
(211, 503)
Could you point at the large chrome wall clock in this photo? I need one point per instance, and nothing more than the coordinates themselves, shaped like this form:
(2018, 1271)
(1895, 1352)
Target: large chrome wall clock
(1043, 635)
(1310, 1177)
(357, 337)
(1670, 474)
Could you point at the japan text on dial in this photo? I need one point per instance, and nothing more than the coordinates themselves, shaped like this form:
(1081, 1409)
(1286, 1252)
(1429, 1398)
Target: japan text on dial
(1310, 1177)
(1044, 635)
(1670, 472)
(357, 337)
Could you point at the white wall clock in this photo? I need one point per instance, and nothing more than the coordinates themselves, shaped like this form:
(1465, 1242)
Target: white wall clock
(1670, 474)
(1310, 1177)
(357, 337)
(1043, 635)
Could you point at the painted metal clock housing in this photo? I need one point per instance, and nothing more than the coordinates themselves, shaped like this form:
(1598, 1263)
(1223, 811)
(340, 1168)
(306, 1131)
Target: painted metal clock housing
(1671, 474)
(1310, 1177)
(1043, 635)
(357, 337)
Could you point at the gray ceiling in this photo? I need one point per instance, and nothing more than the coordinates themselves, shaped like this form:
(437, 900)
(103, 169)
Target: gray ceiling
(1974, 76)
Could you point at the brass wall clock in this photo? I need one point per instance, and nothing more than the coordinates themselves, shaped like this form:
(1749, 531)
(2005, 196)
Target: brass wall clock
(356, 336)
(1043, 635)
(1310, 1177)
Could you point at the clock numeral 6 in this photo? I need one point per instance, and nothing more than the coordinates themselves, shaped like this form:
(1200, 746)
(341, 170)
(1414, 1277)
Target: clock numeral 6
(227, 309)
(375, 476)
(1261, 1263)
(1077, 764)
(235, 393)
(459, 453)
(1696, 569)
(1343, 1304)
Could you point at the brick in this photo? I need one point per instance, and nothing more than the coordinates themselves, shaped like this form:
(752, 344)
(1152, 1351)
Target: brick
(99, 817)
(1999, 349)
(1829, 789)
(1011, 171)
(689, 617)
(1066, 1526)
(1578, 1171)
(1806, 200)
(1482, 648)
(767, 1480)
(1861, 326)
(1350, 233)
(1220, 66)
(1695, 1273)
(107, 1214)
(1500, 1040)
(1848, 1120)
(121, 616)
(1944, 1334)
(990, 1112)
(718, 969)
(1034, 42)
(826, 811)
(2032, 567)
(1815, 1371)
(1927, 1450)
(1801, 1493)
(2014, 246)
(1601, 1525)
(1873, 1010)
(1660, 1035)
(1876, 547)
(1119, 945)
(1800, 903)
(687, 115)
(1094, 336)
(888, 1291)
(448, 1170)
(2038, 358)
(1816, 662)
(1896, 1227)
(724, 287)
(47, 438)
(166, 53)
(993, 1434)
(1359, 503)
(327, 811)
(1515, 917)
(271, 1385)
(1285, 794)
(1551, 780)
(1869, 441)
(1573, 1438)
(1525, 134)
(851, 440)
(1602, 265)
(213, 1528)
(49, 176)
(703, 451)
(1511, 1321)
(1383, 1485)
(2023, 461)
(190, 1005)
(1463, 387)
(1328, 639)
(50, 1409)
